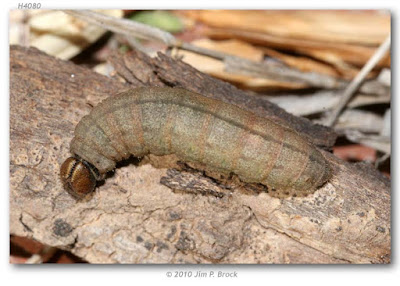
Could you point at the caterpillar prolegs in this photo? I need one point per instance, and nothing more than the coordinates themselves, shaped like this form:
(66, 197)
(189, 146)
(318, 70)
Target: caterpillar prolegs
(198, 129)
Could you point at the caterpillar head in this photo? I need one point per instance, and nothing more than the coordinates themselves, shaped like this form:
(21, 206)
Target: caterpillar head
(79, 177)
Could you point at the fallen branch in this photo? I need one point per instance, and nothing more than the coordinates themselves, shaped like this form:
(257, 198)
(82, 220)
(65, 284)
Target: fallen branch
(134, 218)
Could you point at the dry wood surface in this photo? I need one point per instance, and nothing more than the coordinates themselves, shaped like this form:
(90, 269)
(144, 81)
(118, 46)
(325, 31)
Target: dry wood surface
(143, 214)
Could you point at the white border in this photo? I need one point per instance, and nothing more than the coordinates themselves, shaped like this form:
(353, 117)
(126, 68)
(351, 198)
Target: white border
(136, 275)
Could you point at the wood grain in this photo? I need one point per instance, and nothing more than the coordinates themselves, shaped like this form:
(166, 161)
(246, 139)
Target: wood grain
(346, 221)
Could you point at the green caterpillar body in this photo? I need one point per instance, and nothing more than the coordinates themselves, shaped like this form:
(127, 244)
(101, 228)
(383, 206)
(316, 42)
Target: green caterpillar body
(197, 129)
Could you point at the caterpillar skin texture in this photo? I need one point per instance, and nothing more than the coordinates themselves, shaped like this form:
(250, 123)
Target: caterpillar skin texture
(222, 136)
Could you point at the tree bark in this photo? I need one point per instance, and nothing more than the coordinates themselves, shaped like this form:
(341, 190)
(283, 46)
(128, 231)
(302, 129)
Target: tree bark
(143, 214)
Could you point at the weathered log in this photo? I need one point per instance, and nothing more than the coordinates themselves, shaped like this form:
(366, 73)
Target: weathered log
(144, 214)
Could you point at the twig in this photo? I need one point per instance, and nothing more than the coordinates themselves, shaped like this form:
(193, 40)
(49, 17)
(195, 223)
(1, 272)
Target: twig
(381, 160)
(133, 43)
(123, 26)
(355, 84)
(276, 71)
(322, 101)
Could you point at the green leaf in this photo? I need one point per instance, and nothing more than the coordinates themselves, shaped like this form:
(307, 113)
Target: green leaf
(161, 19)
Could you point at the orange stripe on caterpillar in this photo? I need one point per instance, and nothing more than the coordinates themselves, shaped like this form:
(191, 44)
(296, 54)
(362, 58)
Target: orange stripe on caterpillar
(198, 129)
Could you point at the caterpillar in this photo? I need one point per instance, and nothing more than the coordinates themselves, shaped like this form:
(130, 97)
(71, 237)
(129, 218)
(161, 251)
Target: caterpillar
(195, 128)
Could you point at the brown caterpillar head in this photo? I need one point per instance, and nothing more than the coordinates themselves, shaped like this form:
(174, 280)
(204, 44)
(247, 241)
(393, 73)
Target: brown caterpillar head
(78, 176)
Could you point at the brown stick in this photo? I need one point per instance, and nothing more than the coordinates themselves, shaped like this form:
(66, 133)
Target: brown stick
(357, 81)
(135, 218)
